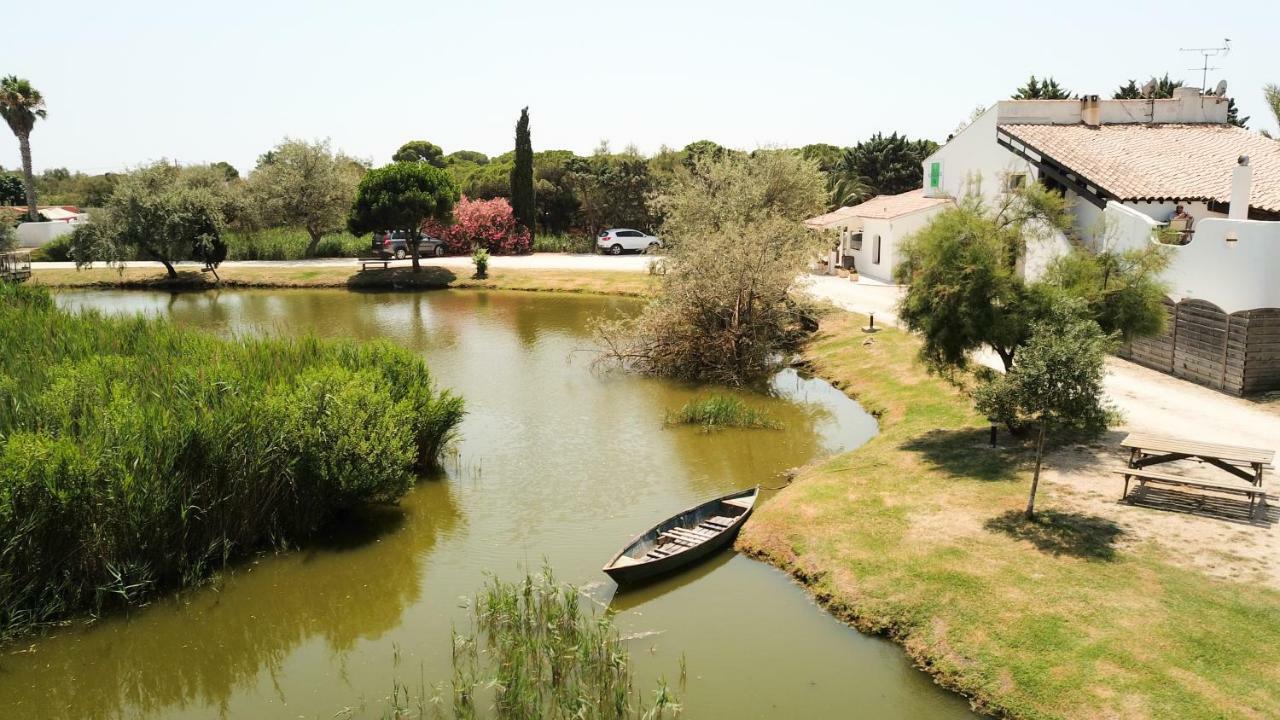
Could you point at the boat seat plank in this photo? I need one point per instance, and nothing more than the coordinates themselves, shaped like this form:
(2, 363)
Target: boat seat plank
(745, 502)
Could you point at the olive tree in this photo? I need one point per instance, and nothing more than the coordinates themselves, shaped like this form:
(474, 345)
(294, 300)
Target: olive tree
(402, 196)
(305, 184)
(1057, 383)
(737, 245)
(158, 212)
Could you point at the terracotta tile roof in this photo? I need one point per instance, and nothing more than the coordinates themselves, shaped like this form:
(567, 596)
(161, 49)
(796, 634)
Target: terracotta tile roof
(1161, 162)
(880, 207)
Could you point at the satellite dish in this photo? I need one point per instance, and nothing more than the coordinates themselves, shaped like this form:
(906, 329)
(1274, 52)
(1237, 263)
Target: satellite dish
(1221, 90)
(1149, 88)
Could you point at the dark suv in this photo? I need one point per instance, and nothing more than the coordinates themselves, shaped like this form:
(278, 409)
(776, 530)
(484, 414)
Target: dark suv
(392, 244)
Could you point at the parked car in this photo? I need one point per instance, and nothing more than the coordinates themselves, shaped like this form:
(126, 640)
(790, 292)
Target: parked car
(392, 244)
(615, 240)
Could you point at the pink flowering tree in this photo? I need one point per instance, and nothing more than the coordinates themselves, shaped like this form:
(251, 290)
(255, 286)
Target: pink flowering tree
(488, 224)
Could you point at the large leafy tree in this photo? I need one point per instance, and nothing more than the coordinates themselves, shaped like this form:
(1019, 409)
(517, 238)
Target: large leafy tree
(1057, 383)
(522, 187)
(12, 189)
(158, 212)
(21, 105)
(612, 191)
(1047, 89)
(420, 151)
(965, 290)
(306, 184)
(885, 164)
(403, 196)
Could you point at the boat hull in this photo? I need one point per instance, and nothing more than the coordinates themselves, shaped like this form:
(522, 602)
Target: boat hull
(636, 573)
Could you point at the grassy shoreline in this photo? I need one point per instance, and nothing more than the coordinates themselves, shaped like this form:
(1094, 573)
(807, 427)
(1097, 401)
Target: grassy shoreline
(602, 282)
(916, 536)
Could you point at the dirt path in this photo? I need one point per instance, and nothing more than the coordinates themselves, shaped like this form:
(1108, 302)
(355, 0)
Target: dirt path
(1214, 536)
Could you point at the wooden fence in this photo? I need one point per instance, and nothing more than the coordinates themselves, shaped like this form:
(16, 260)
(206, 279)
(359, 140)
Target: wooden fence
(1238, 353)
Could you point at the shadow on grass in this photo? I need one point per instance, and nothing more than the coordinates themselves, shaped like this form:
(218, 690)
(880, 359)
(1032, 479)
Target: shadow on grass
(1061, 533)
(967, 453)
(431, 277)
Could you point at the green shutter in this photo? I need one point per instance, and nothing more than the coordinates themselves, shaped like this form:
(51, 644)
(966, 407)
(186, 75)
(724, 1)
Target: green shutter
(935, 174)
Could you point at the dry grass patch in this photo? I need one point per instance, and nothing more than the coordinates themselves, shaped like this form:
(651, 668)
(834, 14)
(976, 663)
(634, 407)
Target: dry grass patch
(329, 276)
(1055, 619)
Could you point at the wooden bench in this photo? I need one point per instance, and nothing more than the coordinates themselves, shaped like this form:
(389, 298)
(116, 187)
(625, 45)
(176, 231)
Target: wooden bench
(384, 262)
(1143, 477)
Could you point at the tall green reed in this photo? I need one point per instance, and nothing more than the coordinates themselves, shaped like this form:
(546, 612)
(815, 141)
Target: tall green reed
(137, 456)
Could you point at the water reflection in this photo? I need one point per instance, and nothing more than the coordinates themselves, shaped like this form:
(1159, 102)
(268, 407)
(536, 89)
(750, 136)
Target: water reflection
(199, 647)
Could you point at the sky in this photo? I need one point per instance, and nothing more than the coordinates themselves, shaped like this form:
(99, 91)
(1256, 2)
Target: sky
(131, 82)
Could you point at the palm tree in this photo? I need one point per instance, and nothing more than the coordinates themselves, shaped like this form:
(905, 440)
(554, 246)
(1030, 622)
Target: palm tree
(20, 105)
(1272, 92)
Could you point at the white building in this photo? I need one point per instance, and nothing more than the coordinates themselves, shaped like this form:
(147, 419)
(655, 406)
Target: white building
(870, 232)
(1124, 165)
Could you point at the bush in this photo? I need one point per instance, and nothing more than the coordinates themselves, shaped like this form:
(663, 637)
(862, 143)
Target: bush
(56, 250)
(291, 244)
(564, 242)
(135, 456)
(488, 224)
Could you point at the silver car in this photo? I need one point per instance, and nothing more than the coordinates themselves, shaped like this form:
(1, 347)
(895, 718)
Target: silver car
(615, 240)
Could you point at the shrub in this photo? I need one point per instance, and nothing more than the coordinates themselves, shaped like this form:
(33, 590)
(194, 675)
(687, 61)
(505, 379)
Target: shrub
(488, 224)
(481, 259)
(136, 456)
(564, 242)
(291, 244)
(56, 250)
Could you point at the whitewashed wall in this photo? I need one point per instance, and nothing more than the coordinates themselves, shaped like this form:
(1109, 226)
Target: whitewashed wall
(37, 234)
(891, 233)
(1234, 275)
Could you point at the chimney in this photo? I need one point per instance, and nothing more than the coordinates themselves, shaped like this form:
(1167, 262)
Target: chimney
(1090, 110)
(1241, 188)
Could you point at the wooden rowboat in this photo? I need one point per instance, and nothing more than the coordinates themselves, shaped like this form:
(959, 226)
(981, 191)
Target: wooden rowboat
(682, 539)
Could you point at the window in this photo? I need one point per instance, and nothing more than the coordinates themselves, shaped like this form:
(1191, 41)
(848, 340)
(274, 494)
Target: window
(875, 251)
(630, 233)
(1013, 182)
(935, 174)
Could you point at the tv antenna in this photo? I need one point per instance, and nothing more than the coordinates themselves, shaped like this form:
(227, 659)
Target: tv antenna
(1208, 52)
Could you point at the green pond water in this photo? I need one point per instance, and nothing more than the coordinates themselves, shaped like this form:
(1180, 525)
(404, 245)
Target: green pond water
(555, 462)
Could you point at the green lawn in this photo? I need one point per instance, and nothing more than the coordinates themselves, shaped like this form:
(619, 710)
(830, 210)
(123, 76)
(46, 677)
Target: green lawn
(918, 535)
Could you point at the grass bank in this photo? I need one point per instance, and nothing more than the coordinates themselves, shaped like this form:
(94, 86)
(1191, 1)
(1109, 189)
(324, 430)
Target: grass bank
(136, 456)
(602, 282)
(917, 535)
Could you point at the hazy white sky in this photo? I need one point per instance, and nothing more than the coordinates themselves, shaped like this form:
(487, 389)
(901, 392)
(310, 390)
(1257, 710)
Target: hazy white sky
(128, 82)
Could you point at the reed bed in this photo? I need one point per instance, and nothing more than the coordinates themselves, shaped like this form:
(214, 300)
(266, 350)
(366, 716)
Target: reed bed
(536, 653)
(136, 456)
(721, 411)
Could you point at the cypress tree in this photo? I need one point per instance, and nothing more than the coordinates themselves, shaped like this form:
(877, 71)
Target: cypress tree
(522, 201)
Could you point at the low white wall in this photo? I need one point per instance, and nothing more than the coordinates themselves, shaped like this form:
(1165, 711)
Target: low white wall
(1234, 275)
(37, 234)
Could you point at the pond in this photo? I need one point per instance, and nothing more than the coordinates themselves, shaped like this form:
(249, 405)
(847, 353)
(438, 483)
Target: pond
(556, 463)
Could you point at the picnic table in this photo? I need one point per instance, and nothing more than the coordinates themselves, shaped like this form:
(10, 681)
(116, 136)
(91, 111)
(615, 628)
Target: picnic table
(1242, 463)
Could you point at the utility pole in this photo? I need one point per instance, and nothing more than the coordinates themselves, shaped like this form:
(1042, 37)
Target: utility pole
(1208, 53)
